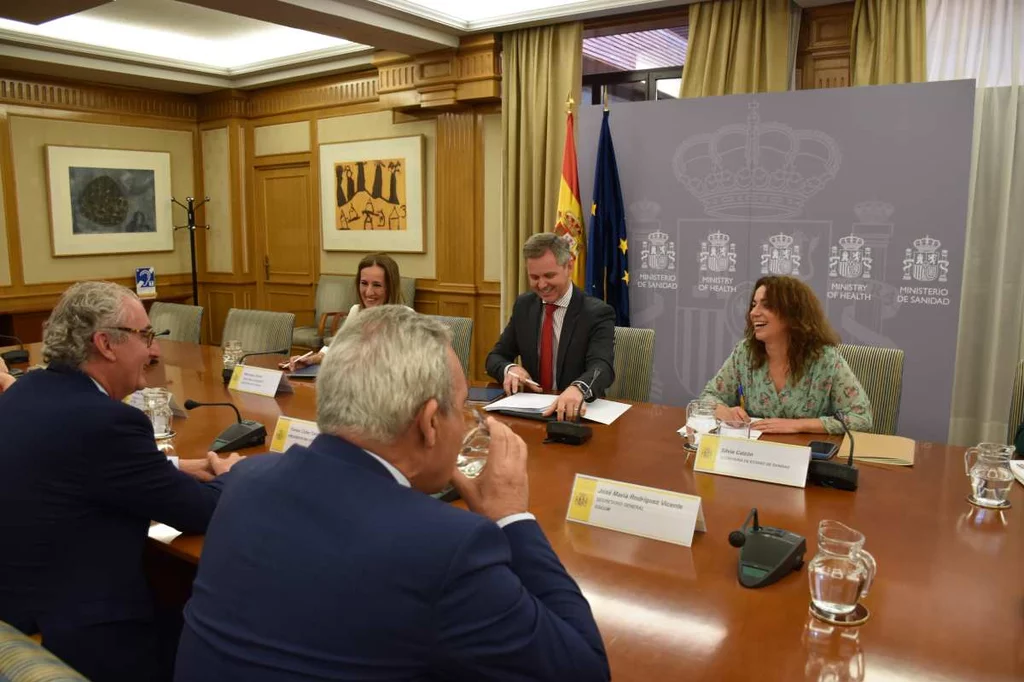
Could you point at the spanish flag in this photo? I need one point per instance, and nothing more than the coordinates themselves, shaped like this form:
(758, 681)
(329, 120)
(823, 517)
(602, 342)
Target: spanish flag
(569, 223)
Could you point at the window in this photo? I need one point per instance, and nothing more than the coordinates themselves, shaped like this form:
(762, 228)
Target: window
(636, 62)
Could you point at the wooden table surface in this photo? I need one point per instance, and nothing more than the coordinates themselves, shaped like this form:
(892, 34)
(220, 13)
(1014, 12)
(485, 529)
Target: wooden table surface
(947, 604)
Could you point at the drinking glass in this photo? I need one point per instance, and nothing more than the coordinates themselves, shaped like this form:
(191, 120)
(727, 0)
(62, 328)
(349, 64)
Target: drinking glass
(991, 478)
(156, 403)
(232, 353)
(734, 428)
(475, 444)
(700, 419)
(841, 572)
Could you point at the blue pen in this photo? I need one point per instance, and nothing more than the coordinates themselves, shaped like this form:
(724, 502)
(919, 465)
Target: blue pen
(739, 391)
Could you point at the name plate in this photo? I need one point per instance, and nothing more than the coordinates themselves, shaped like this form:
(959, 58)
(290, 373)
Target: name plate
(259, 380)
(757, 460)
(290, 431)
(635, 509)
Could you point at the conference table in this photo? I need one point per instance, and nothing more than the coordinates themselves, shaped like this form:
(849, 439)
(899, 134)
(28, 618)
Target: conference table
(947, 602)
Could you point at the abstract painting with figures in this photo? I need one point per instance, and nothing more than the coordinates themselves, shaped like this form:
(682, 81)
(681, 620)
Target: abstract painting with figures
(371, 195)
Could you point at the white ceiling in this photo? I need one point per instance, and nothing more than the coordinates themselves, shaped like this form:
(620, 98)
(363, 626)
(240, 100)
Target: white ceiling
(203, 45)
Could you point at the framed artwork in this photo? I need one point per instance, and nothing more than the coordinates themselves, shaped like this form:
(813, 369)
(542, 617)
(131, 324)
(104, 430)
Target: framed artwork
(105, 201)
(371, 195)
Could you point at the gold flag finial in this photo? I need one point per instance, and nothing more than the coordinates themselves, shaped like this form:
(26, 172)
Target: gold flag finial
(606, 99)
(569, 101)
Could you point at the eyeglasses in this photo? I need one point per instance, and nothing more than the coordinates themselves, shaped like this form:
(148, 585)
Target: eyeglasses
(147, 334)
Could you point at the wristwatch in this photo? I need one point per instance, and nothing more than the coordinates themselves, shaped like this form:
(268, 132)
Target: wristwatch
(588, 395)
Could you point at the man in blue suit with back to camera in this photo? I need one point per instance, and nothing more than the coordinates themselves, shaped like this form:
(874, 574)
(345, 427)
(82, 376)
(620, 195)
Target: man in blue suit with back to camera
(80, 479)
(332, 562)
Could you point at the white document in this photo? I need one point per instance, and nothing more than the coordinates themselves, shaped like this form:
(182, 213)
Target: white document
(1017, 467)
(605, 411)
(635, 509)
(163, 533)
(523, 402)
(754, 433)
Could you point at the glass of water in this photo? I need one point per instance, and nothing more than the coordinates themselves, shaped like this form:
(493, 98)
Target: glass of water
(232, 353)
(700, 419)
(734, 428)
(841, 572)
(475, 444)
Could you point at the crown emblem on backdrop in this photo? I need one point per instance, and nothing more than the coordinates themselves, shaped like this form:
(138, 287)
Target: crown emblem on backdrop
(780, 241)
(873, 212)
(718, 239)
(851, 242)
(756, 169)
(658, 238)
(645, 210)
(927, 244)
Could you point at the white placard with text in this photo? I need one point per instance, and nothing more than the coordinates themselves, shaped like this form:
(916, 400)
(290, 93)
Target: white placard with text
(290, 431)
(757, 460)
(635, 509)
(259, 380)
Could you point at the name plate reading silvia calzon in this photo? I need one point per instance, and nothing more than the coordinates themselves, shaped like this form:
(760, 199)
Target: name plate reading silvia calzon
(757, 460)
(635, 509)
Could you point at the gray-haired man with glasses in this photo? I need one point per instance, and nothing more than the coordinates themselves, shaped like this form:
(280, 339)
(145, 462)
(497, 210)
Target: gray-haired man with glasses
(80, 480)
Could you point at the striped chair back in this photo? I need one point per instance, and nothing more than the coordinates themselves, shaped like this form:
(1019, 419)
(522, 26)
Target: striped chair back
(634, 363)
(22, 660)
(1016, 403)
(184, 321)
(462, 337)
(259, 330)
(880, 372)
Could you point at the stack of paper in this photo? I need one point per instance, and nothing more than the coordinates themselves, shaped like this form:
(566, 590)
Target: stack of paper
(532, 404)
(1017, 467)
(877, 448)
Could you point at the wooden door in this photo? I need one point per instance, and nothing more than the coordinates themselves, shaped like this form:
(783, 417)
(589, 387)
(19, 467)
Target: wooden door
(286, 240)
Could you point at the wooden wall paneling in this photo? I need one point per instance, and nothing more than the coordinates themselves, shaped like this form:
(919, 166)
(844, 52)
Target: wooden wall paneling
(823, 54)
(218, 302)
(88, 97)
(10, 206)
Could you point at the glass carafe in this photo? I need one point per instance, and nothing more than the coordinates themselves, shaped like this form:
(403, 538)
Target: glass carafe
(842, 571)
(157, 406)
(988, 467)
(700, 419)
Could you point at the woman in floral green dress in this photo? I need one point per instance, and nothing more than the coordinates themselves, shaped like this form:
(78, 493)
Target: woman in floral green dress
(787, 369)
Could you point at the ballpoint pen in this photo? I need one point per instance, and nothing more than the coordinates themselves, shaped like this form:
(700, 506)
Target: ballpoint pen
(743, 402)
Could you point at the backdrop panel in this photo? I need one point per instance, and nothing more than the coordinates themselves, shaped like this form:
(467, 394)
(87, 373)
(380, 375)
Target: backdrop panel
(860, 192)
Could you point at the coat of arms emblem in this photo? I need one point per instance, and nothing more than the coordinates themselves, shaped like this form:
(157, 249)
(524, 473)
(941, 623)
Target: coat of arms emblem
(658, 253)
(926, 262)
(780, 256)
(851, 259)
(717, 254)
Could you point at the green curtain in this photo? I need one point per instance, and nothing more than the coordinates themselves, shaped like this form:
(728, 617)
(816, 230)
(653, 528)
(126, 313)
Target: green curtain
(888, 42)
(541, 68)
(737, 46)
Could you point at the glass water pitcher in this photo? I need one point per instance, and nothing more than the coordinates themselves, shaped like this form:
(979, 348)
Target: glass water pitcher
(842, 571)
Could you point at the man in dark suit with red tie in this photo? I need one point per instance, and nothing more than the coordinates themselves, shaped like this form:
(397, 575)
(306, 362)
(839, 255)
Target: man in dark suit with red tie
(565, 339)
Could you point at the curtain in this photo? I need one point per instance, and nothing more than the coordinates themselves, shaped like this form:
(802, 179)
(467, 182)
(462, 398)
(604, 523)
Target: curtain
(796, 13)
(981, 39)
(737, 46)
(887, 42)
(541, 67)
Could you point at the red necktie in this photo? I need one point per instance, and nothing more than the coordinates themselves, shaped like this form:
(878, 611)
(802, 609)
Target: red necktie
(547, 343)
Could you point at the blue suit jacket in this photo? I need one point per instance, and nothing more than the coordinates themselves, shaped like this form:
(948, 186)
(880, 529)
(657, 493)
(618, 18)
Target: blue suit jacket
(319, 565)
(80, 480)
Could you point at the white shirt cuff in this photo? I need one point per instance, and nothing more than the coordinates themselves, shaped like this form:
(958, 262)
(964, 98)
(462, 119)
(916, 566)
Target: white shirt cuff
(323, 351)
(504, 372)
(173, 460)
(512, 518)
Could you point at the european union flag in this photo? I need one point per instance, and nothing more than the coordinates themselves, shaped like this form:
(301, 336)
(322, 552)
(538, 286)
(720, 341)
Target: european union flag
(607, 264)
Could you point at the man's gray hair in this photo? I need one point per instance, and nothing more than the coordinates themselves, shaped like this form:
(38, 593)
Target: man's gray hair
(380, 370)
(539, 244)
(84, 309)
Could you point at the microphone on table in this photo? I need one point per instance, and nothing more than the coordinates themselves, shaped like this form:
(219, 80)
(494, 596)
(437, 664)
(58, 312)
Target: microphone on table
(14, 357)
(831, 474)
(767, 554)
(243, 434)
(226, 372)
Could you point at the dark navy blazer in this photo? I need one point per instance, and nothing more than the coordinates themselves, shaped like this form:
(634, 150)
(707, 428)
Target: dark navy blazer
(319, 565)
(80, 480)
